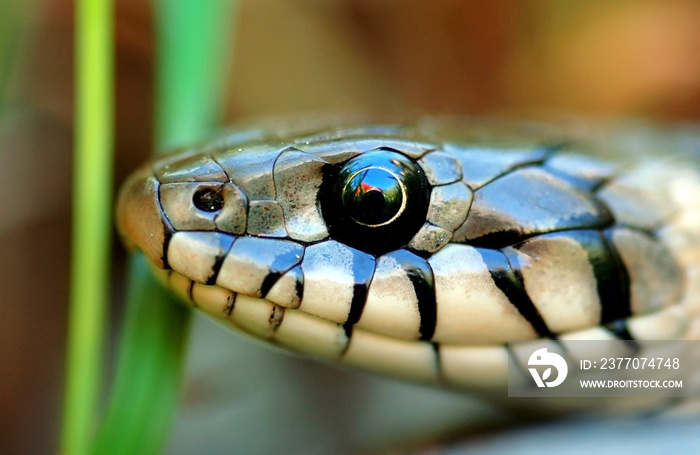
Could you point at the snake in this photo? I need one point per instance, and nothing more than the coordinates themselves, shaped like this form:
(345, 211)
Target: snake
(419, 249)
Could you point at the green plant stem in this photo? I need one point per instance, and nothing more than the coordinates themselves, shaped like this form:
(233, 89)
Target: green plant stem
(194, 39)
(146, 382)
(92, 189)
(191, 37)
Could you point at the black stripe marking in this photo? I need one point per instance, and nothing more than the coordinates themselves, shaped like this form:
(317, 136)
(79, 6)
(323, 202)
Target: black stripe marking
(438, 362)
(190, 285)
(218, 262)
(362, 276)
(230, 303)
(168, 229)
(613, 284)
(347, 329)
(515, 361)
(421, 275)
(504, 267)
(357, 305)
(424, 285)
(299, 285)
(276, 317)
(269, 281)
(273, 277)
(189, 293)
(620, 330)
(279, 266)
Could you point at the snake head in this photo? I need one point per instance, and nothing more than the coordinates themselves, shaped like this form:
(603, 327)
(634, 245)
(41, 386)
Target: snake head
(397, 250)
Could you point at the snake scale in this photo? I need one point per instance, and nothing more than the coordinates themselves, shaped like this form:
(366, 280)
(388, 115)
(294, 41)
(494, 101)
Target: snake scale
(418, 250)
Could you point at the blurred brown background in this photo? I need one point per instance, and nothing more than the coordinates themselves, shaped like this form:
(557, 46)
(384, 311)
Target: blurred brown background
(592, 58)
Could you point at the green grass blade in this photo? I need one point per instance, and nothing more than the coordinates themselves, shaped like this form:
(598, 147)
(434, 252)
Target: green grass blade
(193, 42)
(146, 383)
(92, 227)
(191, 45)
(15, 34)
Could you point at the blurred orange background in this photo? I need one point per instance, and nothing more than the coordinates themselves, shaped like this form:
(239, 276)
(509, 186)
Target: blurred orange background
(597, 58)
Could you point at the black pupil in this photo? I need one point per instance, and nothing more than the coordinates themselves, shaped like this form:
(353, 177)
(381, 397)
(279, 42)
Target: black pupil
(376, 201)
(373, 197)
(208, 200)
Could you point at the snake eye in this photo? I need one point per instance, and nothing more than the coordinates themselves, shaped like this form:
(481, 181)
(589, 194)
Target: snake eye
(376, 202)
(373, 197)
(208, 200)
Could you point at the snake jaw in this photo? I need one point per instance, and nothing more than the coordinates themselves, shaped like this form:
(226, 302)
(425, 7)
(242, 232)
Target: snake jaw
(139, 219)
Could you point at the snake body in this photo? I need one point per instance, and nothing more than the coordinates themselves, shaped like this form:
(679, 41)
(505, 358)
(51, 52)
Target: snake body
(419, 250)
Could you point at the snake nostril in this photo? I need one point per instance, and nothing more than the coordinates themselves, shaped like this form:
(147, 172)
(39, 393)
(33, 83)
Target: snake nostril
(208, 200)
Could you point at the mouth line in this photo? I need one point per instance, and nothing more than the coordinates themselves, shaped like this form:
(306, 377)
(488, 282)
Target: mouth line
(247, 265)
(301, 332)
